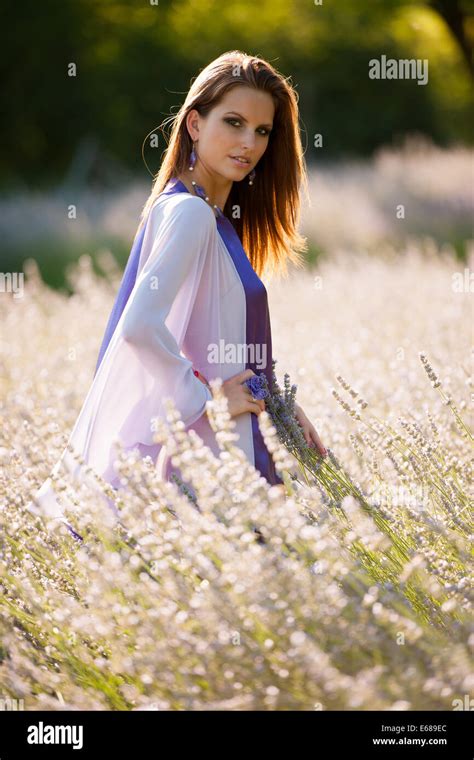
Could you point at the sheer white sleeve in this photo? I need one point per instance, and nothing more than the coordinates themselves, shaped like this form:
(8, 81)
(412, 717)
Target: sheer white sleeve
(143, 363)
(166, 289)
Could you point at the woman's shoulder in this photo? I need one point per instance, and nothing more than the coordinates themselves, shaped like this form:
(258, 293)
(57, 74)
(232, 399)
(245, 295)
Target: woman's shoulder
(183, 207)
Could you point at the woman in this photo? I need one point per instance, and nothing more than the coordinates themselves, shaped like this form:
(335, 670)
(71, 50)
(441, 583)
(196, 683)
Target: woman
(191, 305)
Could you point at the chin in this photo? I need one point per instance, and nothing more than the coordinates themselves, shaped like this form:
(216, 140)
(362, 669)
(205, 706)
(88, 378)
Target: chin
(234, 174)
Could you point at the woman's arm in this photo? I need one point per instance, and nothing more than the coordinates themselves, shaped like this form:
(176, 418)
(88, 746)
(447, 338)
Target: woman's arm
(174, 267)
(309, 431)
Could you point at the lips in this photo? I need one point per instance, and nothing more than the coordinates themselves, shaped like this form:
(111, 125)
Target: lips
(240, 160)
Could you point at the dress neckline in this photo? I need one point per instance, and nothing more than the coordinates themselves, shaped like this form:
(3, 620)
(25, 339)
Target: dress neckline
(226, 228)
(175, 182)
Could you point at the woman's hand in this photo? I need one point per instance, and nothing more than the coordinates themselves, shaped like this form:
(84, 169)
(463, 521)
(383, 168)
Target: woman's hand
(309, 431)
(239, 396)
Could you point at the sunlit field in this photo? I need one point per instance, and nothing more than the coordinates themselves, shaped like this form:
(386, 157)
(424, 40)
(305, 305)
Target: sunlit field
(255, 597)
(352, 206)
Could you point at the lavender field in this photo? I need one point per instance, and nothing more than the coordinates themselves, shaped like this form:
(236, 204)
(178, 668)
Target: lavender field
(336, 603)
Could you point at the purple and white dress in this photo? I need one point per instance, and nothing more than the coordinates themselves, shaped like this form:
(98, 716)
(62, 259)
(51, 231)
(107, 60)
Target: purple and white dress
(189, 299)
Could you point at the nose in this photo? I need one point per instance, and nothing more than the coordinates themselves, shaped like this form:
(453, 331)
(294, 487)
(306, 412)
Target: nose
(249, 141)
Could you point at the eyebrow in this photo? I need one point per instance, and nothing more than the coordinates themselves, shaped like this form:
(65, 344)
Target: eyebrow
(270, 126)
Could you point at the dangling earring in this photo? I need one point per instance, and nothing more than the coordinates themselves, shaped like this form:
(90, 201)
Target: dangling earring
(192, 159)
(251, 177)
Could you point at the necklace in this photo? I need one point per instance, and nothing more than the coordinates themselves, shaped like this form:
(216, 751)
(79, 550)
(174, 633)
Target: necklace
(202, 194)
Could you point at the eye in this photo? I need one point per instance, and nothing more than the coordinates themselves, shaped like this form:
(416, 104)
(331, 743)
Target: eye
(229, 121)
(263, 131)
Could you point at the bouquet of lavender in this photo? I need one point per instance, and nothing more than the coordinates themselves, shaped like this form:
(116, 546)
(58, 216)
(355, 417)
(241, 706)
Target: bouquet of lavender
(324, 473)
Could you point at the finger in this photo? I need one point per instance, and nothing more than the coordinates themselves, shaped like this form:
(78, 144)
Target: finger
(315, 436)
(255, 402)
(255, 407)
(318, 444)
(310, 435)
(243, 376)
(259, 401)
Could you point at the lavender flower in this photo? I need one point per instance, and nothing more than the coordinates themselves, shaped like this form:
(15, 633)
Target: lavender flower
(258, 385)
(326, 474)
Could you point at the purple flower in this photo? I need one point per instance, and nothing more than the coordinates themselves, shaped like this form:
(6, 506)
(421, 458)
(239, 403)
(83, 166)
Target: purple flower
(256, 383)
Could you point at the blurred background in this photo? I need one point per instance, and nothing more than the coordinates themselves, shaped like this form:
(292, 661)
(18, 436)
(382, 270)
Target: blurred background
(84, 82)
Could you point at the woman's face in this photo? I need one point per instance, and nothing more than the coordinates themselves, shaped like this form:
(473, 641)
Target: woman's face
(239, 126)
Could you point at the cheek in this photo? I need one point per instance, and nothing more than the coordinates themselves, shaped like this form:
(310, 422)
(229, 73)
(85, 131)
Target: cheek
(218, 135)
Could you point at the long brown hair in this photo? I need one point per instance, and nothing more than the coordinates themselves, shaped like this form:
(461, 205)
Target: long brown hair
(270, 208)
